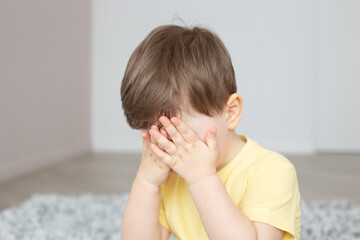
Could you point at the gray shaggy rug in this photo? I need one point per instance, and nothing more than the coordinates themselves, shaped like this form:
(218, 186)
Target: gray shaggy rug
(94, 217)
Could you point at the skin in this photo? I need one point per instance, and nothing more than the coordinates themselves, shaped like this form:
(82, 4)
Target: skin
(195, 147)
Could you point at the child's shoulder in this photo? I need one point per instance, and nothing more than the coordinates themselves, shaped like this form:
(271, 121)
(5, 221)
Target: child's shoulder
(263, 158)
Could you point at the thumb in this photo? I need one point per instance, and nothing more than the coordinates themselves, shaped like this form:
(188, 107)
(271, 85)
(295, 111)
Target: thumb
(145, 137)
(211, 139)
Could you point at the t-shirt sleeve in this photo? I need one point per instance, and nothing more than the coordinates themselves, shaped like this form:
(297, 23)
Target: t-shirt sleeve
(271, 196)
(162, 216)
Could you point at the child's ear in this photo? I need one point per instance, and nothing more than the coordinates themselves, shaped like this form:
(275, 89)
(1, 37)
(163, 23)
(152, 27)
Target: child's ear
(233, 110)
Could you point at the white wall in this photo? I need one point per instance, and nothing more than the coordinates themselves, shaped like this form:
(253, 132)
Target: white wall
(44, 83)
(272, 45)
(337, 111)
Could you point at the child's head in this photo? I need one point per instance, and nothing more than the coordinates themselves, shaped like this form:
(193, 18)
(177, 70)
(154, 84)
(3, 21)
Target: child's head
(176, 69)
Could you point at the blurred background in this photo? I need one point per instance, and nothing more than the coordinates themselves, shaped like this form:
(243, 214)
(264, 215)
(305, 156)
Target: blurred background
(297, 65)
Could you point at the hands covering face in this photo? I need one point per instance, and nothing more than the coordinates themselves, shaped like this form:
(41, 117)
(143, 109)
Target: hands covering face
(188, 156)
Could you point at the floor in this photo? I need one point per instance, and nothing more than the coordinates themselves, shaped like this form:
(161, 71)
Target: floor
(321, 177)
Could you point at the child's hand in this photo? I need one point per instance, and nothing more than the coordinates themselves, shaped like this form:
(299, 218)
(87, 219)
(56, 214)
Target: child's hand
(186, 154)
(152, 170)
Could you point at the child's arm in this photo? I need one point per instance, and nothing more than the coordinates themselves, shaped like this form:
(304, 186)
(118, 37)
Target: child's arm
(221, 218)
(195, 161)
(141, 216)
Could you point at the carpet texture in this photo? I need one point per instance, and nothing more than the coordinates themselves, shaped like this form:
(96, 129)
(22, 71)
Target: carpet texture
(94, 217)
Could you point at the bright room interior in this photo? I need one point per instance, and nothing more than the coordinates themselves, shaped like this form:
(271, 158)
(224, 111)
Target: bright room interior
(62, 127)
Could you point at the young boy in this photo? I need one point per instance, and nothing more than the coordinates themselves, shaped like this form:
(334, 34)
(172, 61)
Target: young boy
(197, 178)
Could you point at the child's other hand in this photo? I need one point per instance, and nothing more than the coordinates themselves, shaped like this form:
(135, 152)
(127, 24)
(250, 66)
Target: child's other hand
(186, 154)
(152, 170)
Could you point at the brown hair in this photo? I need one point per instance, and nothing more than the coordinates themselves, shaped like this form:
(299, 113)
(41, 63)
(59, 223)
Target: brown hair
(174, 66)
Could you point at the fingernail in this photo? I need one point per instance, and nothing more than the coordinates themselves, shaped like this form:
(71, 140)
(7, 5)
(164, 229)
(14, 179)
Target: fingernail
(174, 120)
(163, 119)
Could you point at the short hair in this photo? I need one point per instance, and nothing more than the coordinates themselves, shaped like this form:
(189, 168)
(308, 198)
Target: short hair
(176, 66)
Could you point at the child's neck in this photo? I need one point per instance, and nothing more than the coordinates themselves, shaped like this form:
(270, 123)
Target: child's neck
(233, 148)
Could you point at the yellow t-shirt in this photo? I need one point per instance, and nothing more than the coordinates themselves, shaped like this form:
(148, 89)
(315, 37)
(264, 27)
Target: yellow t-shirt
(261, 183)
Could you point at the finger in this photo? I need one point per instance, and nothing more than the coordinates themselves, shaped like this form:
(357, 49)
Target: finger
(166, 158)
(163, 142)
(146, 138)
(153, 140)
(186, 132)
(155, 127)
(145, 135)
(164, 133)
(172, 131)
(211, 139)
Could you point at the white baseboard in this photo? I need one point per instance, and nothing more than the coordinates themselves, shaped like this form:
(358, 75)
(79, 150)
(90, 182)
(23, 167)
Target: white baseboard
(12, 168)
